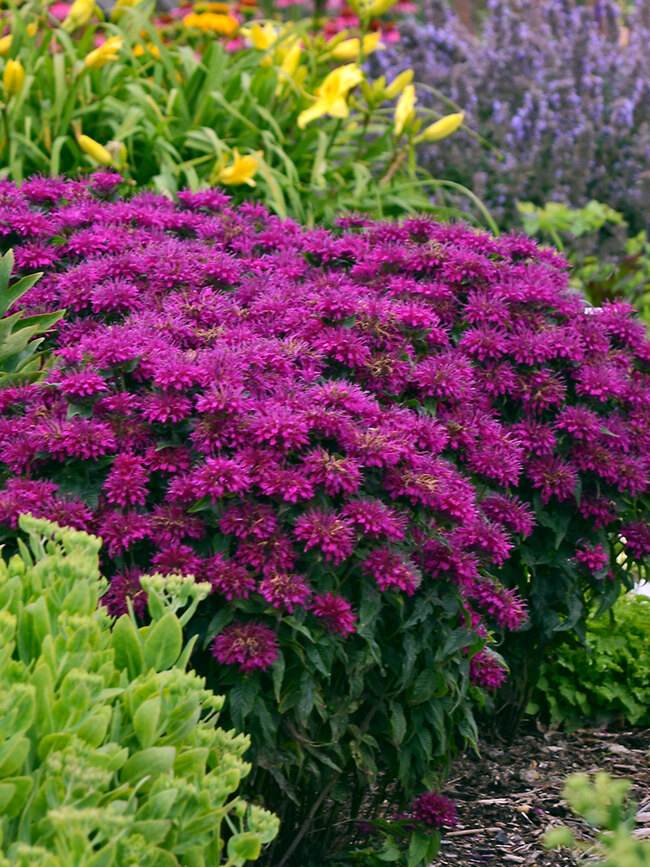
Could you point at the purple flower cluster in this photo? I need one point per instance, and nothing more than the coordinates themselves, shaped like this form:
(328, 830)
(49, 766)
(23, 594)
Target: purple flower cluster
(293, 414)
(432, 810)
(561, 90)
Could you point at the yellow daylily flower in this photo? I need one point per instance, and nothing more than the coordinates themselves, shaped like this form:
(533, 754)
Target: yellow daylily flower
(13, 78)
(291, 60)
(240, 171)
(107, 51)
(404, 108)
(95, 150)
(78, 15)
(262, 36)
(212, 22)
(443, 127)
(398, 84)
(349, 49)
(331, 96)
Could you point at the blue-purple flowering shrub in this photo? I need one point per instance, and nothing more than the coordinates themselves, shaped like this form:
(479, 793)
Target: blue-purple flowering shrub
(560, 90)
(348, 434)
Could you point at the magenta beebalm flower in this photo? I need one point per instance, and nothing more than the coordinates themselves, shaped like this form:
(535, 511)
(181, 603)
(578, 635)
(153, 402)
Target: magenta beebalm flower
(593, 557)
(335, 612)
(126, 484)
(391, 571)
(328, 532)
(252, 646)
(433, 810)
(485, 670)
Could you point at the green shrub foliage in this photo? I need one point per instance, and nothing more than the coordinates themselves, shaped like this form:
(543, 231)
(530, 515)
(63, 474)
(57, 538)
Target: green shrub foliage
(608, 676)
(109, 749)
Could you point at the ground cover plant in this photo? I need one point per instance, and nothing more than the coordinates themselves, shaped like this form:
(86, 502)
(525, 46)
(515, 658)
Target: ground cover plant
(109, 750)
(347, 434)
(602, 801)
(559, 91)
(281, 111)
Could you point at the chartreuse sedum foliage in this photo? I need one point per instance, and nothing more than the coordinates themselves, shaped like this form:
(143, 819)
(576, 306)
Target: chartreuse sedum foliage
(602, 802)
(272, 107)
(19, 360)
(607, 677)
(109, 750)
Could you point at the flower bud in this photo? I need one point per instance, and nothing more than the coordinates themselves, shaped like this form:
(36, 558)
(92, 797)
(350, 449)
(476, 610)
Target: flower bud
(443, 127)
(95, 150)
(398, 84)
(13, 78)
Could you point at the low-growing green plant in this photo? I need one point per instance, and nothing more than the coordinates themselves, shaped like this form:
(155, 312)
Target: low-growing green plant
(281, 108)
(602, 802)
(608, 676)
(607, 262)
(19, 359)
(109, 750)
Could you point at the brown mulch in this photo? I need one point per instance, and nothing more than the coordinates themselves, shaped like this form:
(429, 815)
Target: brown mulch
(510, 796)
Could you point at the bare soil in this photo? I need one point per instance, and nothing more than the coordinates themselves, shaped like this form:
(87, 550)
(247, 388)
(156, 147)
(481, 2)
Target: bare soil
(511, 795)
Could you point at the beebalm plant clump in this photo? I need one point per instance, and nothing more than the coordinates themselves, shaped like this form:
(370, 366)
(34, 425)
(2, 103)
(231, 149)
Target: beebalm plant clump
(347, 434)
(109, 750)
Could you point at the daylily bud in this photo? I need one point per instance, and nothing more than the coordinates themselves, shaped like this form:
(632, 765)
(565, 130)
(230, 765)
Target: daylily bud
(349, 49)
(79, 15)
(93, 148)
(404, 108)
(398, 84)
(379, 7)
(443, 127)
(13, 78)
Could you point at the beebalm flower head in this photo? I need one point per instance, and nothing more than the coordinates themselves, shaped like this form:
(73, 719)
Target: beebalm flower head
(405, 108)
(350, 49)
(252, 646)
(107, 51)
(442, 128)
(331, 96)
(242, 170)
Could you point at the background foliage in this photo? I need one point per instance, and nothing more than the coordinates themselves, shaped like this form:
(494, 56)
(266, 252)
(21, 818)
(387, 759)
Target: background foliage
(608, 678)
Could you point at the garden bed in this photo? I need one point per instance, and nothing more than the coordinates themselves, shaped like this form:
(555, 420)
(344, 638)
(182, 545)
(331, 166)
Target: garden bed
(509, 797)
